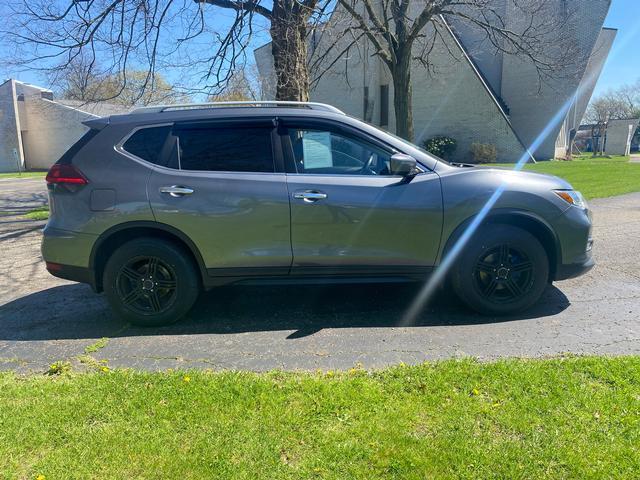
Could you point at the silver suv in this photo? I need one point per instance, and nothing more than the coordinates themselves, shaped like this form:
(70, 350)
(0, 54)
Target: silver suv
(156, 205)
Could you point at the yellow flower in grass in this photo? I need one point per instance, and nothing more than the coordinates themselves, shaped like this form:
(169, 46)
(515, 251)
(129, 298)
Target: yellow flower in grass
(475, 392)
(41, 477)
(186, 379)
(105, 369)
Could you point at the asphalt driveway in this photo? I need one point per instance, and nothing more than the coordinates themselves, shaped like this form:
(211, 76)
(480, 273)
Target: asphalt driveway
(43, 319)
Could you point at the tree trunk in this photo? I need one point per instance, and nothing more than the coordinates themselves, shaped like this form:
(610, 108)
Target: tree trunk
(402, 98)
(289, 50)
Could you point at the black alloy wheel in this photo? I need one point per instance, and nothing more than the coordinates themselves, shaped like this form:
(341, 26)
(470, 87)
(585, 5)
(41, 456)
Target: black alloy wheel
(502, 270)
(503, 274)
(147, 285)
(151, 282)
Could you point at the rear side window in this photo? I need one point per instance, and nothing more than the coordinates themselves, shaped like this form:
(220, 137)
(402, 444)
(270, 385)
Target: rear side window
(147, 144)
(225, 149)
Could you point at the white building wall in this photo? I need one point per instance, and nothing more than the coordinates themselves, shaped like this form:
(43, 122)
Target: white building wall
(619, 135)
(49, 129)
(476, 42)
(585, 90)
(534, 105)
(10, 141)
(453, 100)
(344, 83)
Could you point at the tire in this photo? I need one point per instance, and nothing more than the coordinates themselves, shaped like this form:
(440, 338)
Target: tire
(151, 282)
(502, 270)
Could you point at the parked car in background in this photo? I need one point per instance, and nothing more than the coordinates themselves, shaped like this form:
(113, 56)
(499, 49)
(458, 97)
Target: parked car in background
(154, 206)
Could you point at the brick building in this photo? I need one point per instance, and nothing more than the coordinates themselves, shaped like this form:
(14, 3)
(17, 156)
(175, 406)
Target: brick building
(472, 92)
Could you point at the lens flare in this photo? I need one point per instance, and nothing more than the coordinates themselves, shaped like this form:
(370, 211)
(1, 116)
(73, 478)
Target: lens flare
(439, 275)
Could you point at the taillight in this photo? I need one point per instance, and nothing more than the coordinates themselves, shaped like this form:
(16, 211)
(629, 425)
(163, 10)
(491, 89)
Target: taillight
(62, 173)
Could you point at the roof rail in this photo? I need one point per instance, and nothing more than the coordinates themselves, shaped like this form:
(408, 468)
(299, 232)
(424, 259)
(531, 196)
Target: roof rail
(255, 103)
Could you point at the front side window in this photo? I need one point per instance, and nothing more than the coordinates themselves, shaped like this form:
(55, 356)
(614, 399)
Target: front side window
(225, 149)
(329, 153)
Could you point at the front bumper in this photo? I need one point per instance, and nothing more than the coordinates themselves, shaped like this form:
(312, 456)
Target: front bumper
(573, 229)
(573, 270)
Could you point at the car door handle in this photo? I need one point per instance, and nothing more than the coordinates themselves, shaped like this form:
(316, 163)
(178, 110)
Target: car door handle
(176, 190)
(310, 196)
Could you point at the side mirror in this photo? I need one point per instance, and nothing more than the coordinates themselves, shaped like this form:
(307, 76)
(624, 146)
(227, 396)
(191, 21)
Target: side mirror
(402, 164)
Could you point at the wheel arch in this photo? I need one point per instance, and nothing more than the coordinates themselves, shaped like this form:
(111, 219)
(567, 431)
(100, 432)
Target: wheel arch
(528, 221)
(118, 235)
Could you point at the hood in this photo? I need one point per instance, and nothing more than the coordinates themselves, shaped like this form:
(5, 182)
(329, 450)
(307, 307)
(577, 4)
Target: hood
(526, 177)
(521, 178)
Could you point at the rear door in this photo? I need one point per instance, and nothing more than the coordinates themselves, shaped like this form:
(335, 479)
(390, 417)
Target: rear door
(348, 213)
(221, 185)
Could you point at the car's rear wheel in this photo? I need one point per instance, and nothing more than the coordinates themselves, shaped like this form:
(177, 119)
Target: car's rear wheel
(502, 270)
(150, 282)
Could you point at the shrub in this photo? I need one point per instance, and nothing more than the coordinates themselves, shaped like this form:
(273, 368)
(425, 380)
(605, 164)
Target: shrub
(484, 152)
(441, 146)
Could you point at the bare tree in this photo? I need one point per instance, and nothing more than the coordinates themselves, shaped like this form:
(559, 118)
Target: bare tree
(615, 104)
(402, 32)
(244, 85)
(76, 83)
(156, 35)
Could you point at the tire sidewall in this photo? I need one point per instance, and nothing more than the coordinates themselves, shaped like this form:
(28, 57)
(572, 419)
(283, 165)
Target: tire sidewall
(485, 239)
(187, 285)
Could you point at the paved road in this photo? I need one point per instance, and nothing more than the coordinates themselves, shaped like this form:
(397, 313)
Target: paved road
(43, 319)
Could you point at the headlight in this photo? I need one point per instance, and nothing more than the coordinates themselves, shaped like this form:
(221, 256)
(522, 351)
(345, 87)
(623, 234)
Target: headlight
(572, 198)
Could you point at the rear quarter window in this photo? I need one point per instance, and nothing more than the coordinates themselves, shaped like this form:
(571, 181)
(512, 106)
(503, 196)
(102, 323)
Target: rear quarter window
(147, 144)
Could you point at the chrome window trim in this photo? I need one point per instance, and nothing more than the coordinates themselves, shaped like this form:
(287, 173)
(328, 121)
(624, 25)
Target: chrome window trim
(119, 148)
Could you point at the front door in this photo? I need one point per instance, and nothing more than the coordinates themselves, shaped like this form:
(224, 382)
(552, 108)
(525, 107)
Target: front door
(224, 193)
(349, 214)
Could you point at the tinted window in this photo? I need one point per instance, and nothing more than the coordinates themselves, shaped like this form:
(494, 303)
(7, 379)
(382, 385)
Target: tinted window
(325, 152)
(147, 143)
(230, 149)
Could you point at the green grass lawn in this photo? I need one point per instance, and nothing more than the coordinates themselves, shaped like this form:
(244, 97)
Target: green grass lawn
(595, 177)
(23, 175)
(40, 213)
(561, 418)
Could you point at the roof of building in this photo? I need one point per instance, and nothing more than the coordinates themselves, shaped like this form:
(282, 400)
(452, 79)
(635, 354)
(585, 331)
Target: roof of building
(26, 84)
(100, 109)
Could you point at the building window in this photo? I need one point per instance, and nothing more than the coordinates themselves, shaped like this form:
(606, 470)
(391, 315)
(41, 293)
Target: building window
(365, 103)
(384, 105)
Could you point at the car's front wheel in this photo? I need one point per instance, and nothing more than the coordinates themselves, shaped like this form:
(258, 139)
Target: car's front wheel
(502, 270)
(150, 282)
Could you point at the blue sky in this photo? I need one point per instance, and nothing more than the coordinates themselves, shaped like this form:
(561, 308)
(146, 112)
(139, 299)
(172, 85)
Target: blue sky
(623, 64)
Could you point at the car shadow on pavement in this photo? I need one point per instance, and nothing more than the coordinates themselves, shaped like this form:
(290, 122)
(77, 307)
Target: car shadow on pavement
(74, 312)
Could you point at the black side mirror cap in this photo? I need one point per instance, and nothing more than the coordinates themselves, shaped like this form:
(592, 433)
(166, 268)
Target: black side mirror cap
(402, 164)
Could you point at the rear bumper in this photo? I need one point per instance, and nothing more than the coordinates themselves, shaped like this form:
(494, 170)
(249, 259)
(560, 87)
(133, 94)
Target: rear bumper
(67, 254)
(75, 274)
